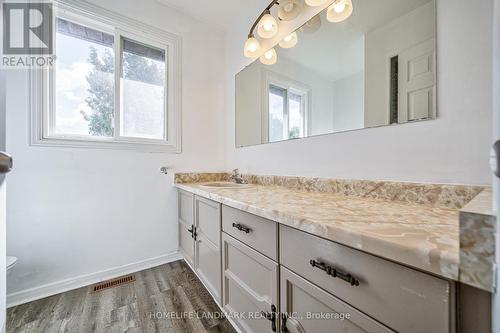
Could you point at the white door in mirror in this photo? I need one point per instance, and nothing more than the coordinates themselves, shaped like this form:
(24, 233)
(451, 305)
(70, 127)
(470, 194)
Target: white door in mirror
(417, 82)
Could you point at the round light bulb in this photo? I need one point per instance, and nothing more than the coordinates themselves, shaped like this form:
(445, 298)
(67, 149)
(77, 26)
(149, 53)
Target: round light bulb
(289, 9)
(252, 47)
(339, 8)
(269, 57)
(339, 11)
(315, 3)
(268, 26)
(289, 41)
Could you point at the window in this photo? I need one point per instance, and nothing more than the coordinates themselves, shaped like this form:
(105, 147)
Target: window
(84, 82)
(287, 113)
(115, 84)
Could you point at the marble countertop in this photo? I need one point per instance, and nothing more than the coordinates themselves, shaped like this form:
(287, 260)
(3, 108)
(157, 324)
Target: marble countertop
(478, 242)
(421, 236)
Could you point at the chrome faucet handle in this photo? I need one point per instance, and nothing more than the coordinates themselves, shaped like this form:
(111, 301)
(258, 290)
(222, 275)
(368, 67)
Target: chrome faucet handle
(237, 177)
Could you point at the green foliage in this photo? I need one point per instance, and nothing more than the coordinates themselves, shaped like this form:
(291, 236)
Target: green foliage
(294, 133)
(140, 69)
(101, 89)
(101, 86)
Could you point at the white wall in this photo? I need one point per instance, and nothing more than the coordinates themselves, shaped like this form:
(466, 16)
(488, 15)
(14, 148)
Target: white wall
(249, 116)
(3, 256)
(349, 103)
(451, 149)
(74, 212)
(3, 208)
(496, 135)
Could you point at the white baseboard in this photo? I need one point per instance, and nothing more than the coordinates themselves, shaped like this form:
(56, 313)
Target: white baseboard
(54, 288)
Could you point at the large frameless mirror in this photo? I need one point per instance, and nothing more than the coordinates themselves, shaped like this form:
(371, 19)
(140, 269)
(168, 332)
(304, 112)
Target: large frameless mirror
(376, 68)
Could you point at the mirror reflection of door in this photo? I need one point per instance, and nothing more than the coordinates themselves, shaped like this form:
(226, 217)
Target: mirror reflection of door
(417, 83)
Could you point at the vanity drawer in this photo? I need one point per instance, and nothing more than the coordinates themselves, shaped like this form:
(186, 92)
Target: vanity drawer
(402, 298)
(257, 232)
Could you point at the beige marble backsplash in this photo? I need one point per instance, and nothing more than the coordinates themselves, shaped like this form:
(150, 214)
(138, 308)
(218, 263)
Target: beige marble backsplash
(436, 195)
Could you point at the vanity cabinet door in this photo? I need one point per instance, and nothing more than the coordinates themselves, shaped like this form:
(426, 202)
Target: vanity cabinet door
(186, 224)
(398, 296)
(306, 308)
(207, 236)
(250, 286)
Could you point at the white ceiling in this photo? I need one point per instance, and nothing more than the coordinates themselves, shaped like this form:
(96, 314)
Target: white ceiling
(221, 13)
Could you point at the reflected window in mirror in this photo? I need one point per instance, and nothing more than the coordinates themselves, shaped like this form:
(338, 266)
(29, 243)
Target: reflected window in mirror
(287, 113)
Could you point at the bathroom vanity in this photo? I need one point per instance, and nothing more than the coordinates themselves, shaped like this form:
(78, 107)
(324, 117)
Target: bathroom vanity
(321, 261)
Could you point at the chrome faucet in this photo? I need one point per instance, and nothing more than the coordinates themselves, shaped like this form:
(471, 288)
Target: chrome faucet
(237, 177)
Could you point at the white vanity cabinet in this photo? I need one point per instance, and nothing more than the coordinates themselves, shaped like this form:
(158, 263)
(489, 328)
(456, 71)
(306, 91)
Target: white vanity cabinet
(207, 249)
(270, 276)
(250, 286)
(306, 308)
(200, 239)
(401, 298)
(186, 225)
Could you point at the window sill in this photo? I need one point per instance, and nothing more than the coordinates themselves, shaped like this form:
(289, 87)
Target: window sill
(147, 147)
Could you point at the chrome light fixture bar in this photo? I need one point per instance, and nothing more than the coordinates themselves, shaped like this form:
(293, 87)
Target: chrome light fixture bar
(267, 27)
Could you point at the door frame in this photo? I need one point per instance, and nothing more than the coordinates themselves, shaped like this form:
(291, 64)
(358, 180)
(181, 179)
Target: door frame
(496, 136)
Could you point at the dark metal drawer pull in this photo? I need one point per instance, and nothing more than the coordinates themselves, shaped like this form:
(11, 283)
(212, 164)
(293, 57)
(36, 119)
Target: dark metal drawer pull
(332, 271)
(241, 228)
(283, 323)
(271, 316)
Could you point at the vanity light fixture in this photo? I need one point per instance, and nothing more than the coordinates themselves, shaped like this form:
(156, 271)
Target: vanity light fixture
(315, 3)
(289, 41)
(268, 26)
(252, 47)
(289, 9)
(269, 57)
(312, 25)
(339, 11)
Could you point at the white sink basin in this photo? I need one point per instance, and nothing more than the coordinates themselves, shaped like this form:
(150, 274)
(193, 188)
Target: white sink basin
(225, 185)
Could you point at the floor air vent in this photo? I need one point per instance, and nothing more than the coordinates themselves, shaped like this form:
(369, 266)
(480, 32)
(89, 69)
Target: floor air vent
(113, 283)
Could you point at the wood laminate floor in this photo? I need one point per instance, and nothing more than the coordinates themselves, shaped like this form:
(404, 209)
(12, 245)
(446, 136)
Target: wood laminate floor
(168, 298)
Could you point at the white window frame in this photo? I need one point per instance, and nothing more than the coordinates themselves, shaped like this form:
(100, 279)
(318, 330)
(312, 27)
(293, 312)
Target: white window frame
(42, 85)
(289, 85)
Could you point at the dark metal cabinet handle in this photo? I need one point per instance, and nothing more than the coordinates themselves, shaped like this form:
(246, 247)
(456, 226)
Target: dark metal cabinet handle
(332, 271)
(283, 323)
(195, 233)
(242, 228)
(271, 316)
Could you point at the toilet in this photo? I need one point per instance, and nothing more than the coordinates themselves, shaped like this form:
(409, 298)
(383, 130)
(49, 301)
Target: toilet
(11, 262)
